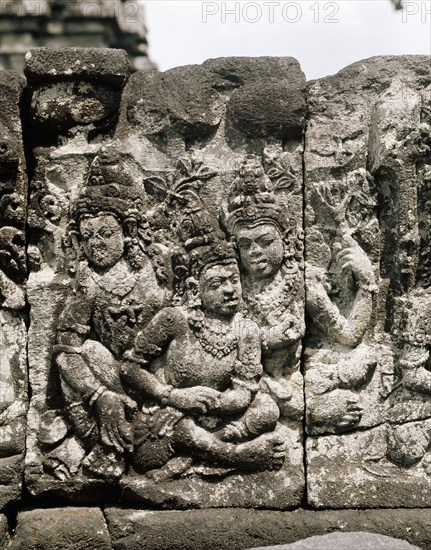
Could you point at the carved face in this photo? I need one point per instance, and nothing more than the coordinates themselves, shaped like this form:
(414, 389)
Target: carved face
(261, 250)
(103, 240)
(220, 289)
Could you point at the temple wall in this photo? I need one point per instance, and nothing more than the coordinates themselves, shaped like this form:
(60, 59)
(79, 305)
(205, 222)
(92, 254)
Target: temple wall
(214, 293)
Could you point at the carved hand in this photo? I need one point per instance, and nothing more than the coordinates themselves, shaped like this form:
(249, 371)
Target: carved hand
(354, 259)
(288, 331)
(338, 409)
(114, 429)
(347, 411)
(198, 398)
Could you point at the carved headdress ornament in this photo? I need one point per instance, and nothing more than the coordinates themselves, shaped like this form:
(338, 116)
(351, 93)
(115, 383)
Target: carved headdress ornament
(198, 233)
(252, 199)
(109, 189)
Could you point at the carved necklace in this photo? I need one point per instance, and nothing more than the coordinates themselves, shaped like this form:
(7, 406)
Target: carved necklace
(275, 299)
(119, 281)
(216, 338)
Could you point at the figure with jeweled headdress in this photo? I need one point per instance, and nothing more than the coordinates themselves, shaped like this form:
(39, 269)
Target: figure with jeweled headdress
(118, 289)
(258, 221)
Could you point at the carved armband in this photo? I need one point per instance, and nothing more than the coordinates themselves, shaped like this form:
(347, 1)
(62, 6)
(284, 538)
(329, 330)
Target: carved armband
(248, 371)
(165, 395)
(95, 395)
(413, 361)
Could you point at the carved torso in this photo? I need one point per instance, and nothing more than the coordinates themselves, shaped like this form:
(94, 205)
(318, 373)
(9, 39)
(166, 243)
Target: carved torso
(120, 303)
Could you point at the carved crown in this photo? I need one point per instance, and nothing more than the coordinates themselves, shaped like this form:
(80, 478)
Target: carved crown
(109, 189)
(197, 230)
(252, 199)
(202, 237)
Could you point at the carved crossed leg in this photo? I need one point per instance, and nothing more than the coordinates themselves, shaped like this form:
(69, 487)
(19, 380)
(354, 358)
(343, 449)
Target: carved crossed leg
(265, 452)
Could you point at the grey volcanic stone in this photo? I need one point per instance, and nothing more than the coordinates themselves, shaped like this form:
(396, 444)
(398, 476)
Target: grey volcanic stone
(237, 529)
(184, 99)
(367, 384)
(13, 270)
(270, 98)
(239, 71)
(4, 534)
(12, 85)
(74, 88)
(98, 64)
(340, 541)
(175, 143)
(61, 529)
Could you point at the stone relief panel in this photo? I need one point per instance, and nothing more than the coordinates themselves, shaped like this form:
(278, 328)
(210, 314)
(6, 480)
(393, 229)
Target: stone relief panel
(169, 292)
(165, 364)
(367, 378)
(73, 103)
(13, 369)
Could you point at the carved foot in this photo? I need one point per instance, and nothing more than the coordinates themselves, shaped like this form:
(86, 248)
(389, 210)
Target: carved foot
(104, 463)
(175, 467)
(266, 452)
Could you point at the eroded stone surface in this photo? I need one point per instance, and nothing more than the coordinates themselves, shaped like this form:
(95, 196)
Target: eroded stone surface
(74, 99)
(13, 369)
(165, 362)
(166, 285)
(367, 377)
(4, 533)
(239, 529)
(61, 529)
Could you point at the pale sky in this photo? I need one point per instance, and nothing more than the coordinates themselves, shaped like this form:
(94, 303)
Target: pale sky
(324, 36)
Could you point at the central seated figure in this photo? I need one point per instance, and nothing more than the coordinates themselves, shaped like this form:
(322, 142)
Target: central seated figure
(195, 373)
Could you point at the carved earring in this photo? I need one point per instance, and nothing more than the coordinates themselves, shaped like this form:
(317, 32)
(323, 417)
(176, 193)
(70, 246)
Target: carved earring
(73, 242)
(193, 293)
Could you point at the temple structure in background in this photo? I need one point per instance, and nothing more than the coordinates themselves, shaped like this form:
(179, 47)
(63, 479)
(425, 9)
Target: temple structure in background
(27, 24)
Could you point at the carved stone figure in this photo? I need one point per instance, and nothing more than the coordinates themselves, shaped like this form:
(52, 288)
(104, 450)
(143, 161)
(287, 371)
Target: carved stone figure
(340, 287)
(206, 386)
(367, 251)
(117, 293)
(409, 428)
(258, 220)
(114, 252)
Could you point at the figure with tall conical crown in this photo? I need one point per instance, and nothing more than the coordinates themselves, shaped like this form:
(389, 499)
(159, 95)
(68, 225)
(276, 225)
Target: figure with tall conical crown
(258, 221)
(117, 292)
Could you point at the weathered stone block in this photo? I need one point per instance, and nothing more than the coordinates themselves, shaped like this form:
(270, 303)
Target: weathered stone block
(75, 92)
(238, 529)
(61, 529)
(367, 377)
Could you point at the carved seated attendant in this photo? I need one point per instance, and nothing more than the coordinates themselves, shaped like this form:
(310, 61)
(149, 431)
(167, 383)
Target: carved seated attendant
(116, 294)
(201, 397)
(340, 363)
(258, 222)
